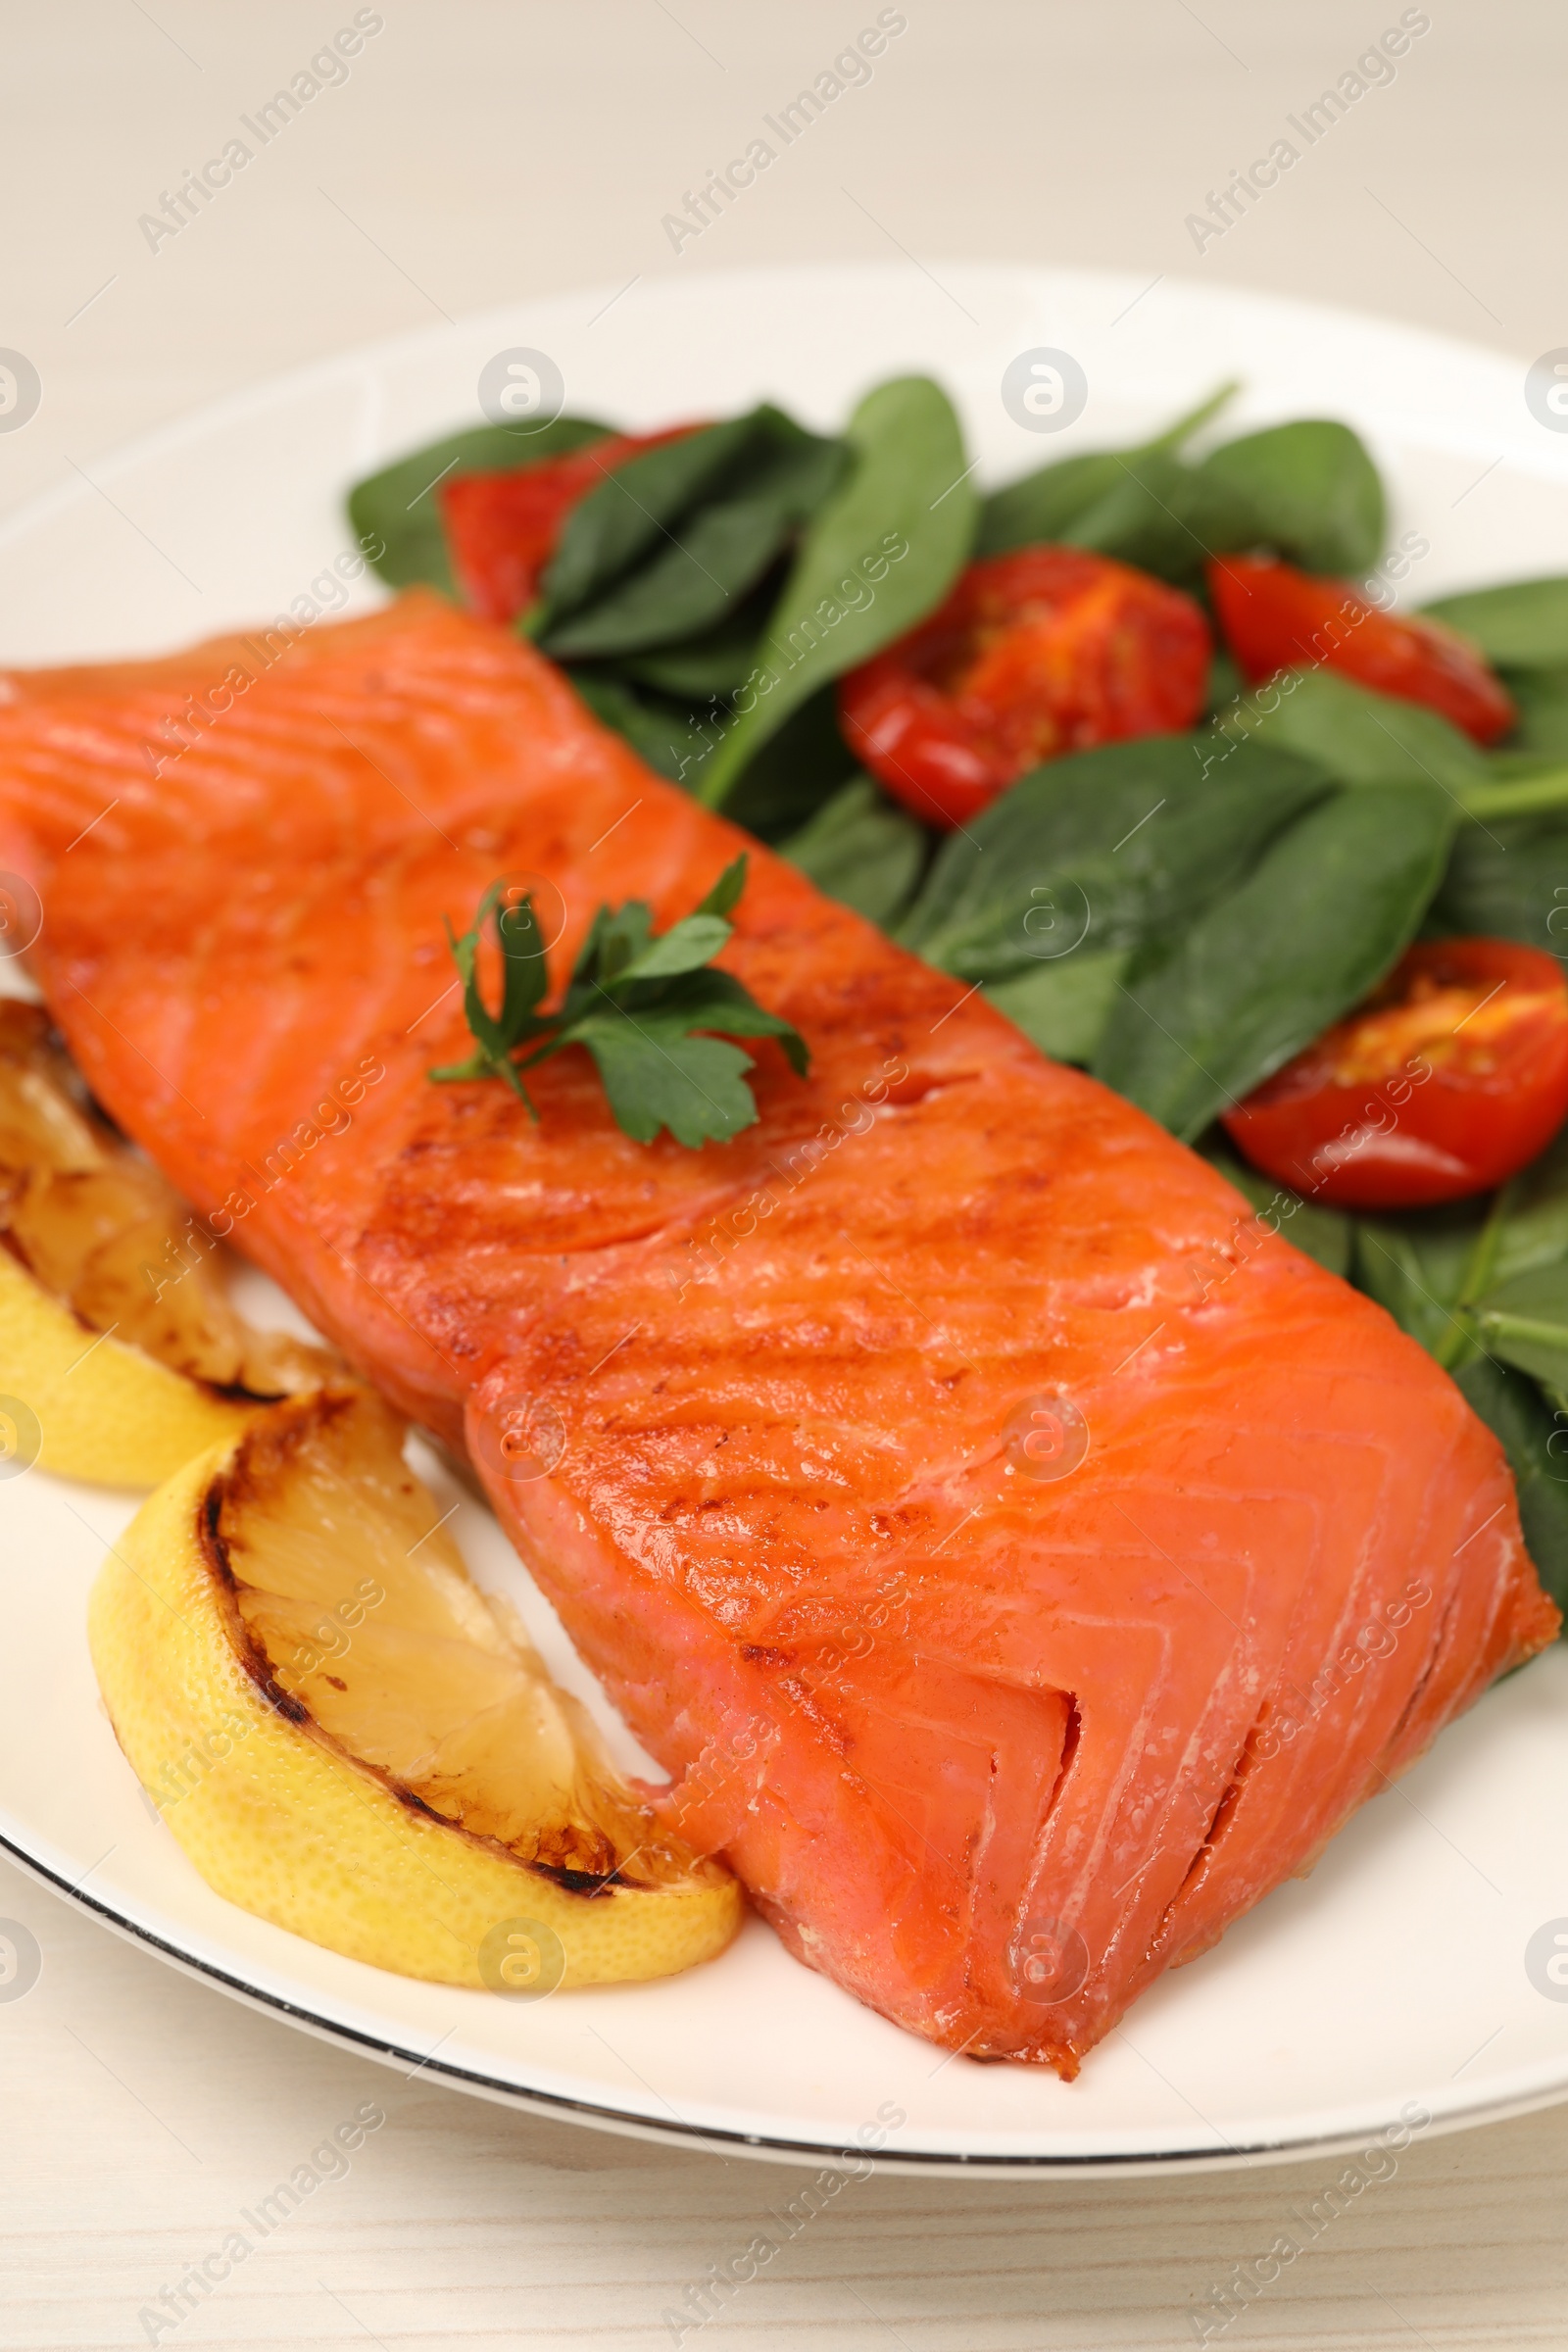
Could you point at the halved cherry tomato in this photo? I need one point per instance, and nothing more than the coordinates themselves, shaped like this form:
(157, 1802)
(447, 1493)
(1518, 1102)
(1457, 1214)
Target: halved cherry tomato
(1448, 1079)
(502, 528)
(1043, 651)
(1273, 617)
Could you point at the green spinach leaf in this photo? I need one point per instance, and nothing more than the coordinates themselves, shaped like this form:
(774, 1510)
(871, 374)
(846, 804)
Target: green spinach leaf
(1307, 490)
(1507, 878)
(861, 851)
(401, 505)
(1153, 516)
(696, 576)
(1045, 505)
(1524, 1322)
(1529, 1220)
(795, 772)
(674, 739)
(1063, 1006)
(1523, 626)
(1109, 847)
(1356, 735)
(876, 558)
(635, 509)
(1256, 977)
(1541, 698)
(1419, 1266)
(706, 668)
(1535, 1438)
(1042, 508)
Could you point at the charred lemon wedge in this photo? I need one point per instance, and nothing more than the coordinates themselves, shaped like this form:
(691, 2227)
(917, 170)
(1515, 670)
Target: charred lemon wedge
(350, 1738)
(118, 1342)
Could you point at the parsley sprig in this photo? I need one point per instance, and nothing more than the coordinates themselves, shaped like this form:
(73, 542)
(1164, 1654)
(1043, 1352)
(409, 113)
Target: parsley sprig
(645, 1008)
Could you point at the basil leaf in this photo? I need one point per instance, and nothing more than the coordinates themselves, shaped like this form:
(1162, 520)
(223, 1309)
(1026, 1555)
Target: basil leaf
(1043, 506)
(875, 558)
(1307, 490)
(1534, 1439)
(1507, 878)
(1327, 909)
(1355, 735)
(401, 505)
(1522, 625)
(1120, 845)
(634, 509)
(1324, 1234)
(656, 1074)
(1063, 1006)
(716, 554)
(860, 850)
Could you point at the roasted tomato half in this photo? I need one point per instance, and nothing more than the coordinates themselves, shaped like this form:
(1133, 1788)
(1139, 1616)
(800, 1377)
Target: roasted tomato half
(1273, 617)
(1043, 651)
(1450, 1078)
(502, 528)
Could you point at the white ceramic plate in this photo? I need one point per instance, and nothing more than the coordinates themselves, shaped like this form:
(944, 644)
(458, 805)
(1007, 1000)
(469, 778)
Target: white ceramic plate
(1395, 1978)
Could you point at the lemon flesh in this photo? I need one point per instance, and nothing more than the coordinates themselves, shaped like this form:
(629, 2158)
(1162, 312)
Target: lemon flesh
(350, 1740)
(96, 1247)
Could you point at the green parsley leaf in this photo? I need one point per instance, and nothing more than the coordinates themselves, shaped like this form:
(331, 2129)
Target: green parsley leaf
(725, 895)
(657, 1073)
(524, 979)
(650, 1011)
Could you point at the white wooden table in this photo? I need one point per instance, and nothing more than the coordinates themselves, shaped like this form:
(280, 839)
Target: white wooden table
(477, 153)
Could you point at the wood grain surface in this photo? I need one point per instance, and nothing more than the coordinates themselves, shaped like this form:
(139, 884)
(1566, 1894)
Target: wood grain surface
(479, 153)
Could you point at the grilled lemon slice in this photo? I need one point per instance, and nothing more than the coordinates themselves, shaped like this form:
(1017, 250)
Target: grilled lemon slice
(120, 1353)
(348, 1737)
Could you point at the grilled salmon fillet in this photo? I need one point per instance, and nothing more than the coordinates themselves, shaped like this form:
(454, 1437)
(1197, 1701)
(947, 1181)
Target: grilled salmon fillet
(1019, 1557)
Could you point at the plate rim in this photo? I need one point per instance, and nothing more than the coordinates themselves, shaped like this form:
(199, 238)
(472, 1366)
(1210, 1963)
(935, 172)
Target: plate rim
(157, 439)
(759, 2147)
